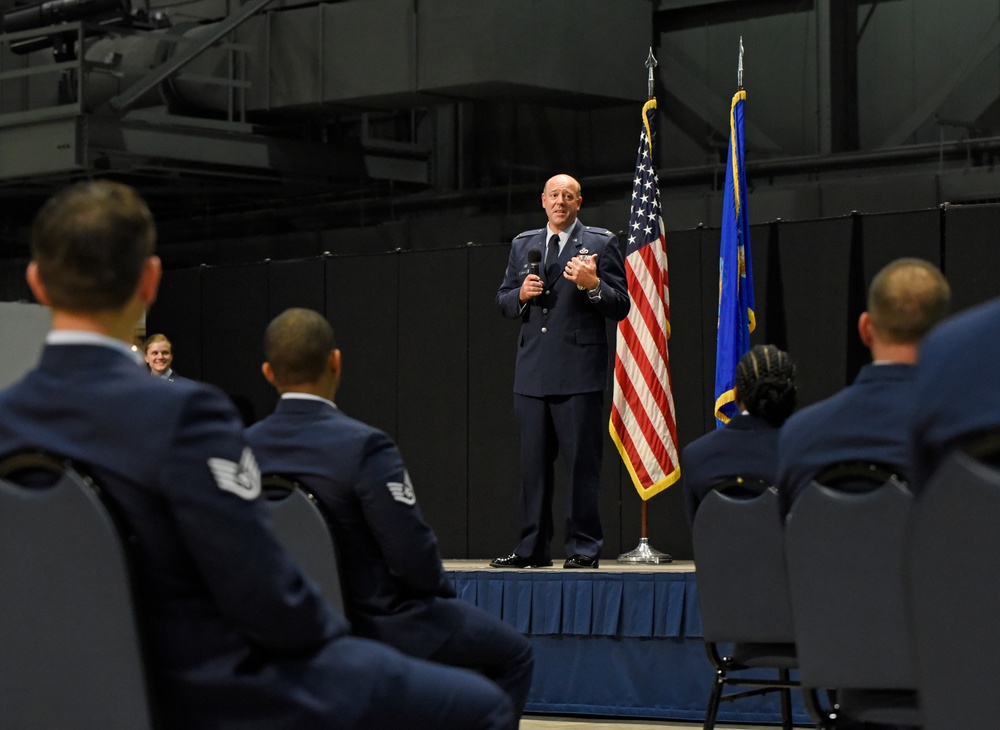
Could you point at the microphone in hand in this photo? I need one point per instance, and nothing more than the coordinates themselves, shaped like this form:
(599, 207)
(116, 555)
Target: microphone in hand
(534, 262)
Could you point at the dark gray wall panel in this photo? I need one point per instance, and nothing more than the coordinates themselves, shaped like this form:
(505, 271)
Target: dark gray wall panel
(815, 267)
(613, 475)
(377, 239)
(763, 279)
(889, 236)
(431, 233)
(972, 240)
(494, 481)
(13, 285)
(709, 246)
(296, 283)
(234, 303)
(362, 304)
(433, 388)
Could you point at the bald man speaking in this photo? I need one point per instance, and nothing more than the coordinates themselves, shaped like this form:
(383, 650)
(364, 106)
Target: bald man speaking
(563, 282)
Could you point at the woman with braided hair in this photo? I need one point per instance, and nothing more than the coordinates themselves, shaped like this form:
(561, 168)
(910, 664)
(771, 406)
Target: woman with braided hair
(747, 445)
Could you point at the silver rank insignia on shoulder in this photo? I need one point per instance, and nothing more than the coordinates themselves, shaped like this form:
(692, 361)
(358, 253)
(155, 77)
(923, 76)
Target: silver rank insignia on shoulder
(241, 479)
(403, 492)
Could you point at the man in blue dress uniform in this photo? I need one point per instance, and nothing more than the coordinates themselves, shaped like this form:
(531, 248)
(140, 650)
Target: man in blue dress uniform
(561, 371)
(395, 586)
(869, 420)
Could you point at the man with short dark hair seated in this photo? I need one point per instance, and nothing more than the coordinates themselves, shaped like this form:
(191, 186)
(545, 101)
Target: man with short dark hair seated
(395, 587)
(868, 421)
(236, 635)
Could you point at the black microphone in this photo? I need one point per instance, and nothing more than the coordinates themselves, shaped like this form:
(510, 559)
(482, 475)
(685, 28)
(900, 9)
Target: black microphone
(534, 259)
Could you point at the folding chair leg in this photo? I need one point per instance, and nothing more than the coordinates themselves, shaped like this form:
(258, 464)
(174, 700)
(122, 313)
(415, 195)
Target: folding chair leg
(824, 719)
(714, 699)
(786, 701)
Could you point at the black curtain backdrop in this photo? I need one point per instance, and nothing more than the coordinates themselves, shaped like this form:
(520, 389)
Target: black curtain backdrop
(433, 390)
(234, 313)
(815, 266)
(362, 304)
(970, 253)
(428, 359)
(492, 438)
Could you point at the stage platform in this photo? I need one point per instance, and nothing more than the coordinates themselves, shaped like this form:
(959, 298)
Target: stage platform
(620, 641)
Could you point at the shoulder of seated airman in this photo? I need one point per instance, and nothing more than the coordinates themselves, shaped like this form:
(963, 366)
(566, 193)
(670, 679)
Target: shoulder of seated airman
(528, 234)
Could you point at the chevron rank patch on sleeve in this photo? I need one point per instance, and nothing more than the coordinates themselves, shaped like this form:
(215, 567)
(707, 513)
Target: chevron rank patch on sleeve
(403, 492)
(242, 479)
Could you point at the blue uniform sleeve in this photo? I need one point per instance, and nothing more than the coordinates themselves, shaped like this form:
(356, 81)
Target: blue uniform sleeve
(788, 473)
(614, 302)
(213, 486)
(508, 301)
(689, 478)
(390, 507)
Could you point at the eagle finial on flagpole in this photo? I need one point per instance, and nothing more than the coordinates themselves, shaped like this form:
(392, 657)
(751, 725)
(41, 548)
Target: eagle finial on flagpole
(739, 69)
(650, 64)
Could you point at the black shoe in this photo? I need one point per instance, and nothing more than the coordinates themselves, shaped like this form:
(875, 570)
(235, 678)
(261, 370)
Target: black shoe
(516, 561)
(581, 561)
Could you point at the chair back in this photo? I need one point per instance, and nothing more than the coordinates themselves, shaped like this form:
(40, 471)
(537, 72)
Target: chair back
(70, 652)
(740, 569)
(303, 528)
(845, 557)
(955, 593)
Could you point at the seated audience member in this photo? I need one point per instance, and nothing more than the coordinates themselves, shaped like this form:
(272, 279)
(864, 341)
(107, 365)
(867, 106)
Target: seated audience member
(869, 420)
(396, 589)
(159, 355)
(235, 635)
(958, 401)
(747, 446)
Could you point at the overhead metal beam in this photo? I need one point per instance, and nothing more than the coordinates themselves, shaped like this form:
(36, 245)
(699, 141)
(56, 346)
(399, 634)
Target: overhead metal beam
(843, 29)
(671, 15)
(121, 103)
(688, 100)
(934, 98)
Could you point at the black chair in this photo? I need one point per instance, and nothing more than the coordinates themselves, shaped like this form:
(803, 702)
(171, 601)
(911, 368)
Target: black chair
(70, 651)
(845, 556)
(955, 594)
(743, 593)
(303, 527)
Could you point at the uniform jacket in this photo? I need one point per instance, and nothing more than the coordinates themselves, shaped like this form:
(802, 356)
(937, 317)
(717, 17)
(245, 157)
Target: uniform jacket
(220, 602)
(955, 387)
(866, 421)
(563, 346)
(747, 446)
(395, 585)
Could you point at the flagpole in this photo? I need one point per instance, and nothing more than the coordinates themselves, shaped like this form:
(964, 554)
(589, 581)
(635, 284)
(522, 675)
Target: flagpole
(739, 69)
(644, 552)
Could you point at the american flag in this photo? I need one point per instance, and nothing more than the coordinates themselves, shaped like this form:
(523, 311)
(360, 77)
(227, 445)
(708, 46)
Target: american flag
(643, 424)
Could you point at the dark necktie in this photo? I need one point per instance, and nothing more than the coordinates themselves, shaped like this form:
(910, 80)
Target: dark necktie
(552, 259)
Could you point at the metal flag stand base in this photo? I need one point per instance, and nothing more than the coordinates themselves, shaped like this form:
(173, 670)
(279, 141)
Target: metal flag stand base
(644, 554)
